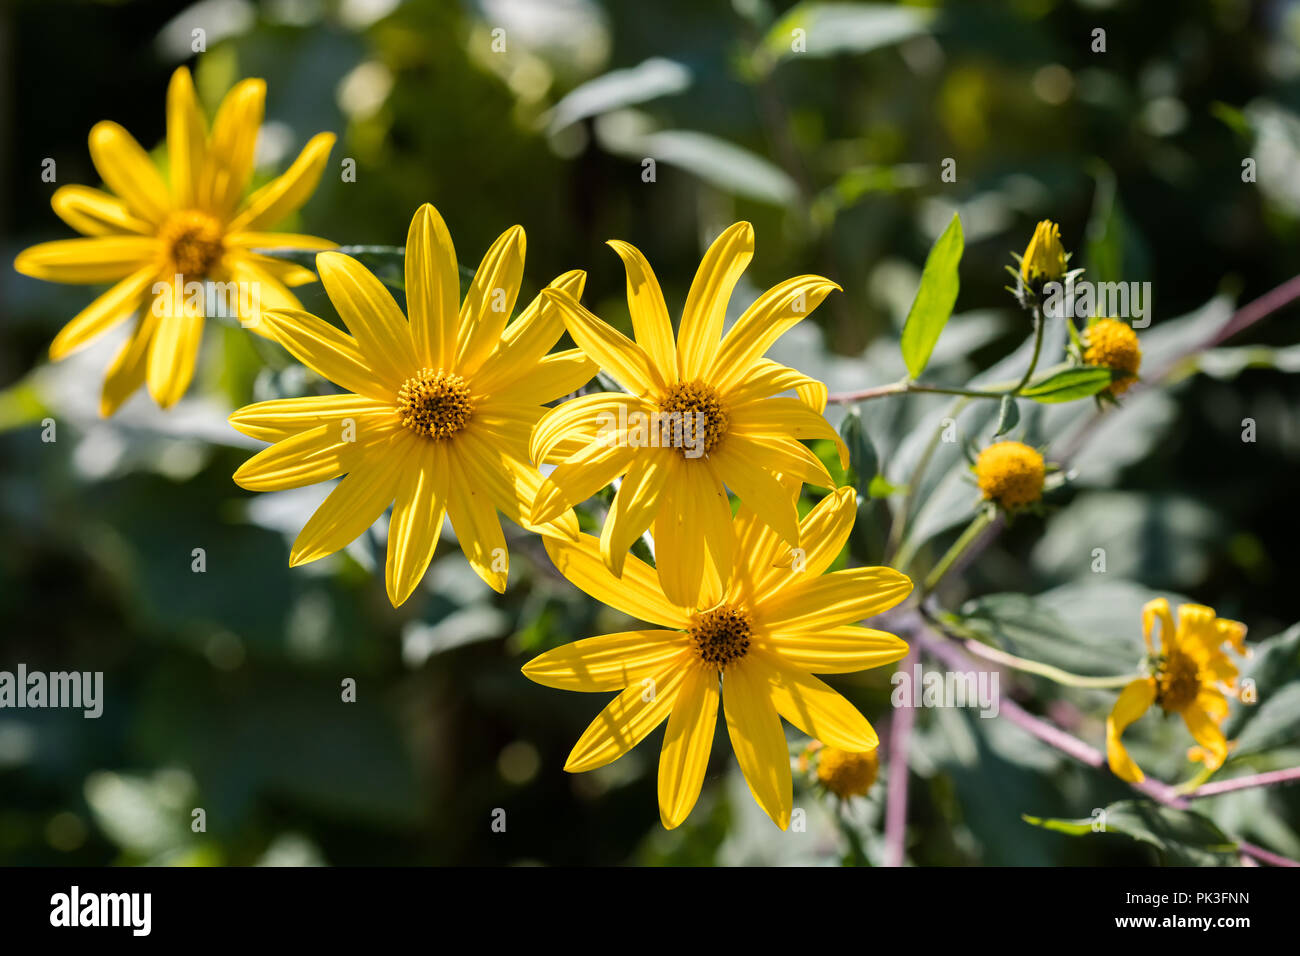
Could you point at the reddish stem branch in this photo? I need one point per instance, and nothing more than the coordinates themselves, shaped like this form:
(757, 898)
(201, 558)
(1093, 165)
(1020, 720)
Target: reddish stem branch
(1270, 779)
(900, 735)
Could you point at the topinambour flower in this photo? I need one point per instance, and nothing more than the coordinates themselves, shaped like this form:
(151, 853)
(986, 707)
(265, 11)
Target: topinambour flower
(1110, 343)
(740, 436)
(755, 645)
(167, 246)
(437, 408)
(1189, 674)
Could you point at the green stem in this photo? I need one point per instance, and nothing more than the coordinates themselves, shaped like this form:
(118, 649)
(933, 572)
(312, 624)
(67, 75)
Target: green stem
(1046, 670)
(899, 524)
(1038, 348)
(973, 530)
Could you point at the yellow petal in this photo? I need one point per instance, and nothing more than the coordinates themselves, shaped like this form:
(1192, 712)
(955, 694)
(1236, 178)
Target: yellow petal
(1158, 610)
(81, 261)
(645, 303)
(773, 313)
(421, 505)
(129, 172)
(282, 417)
(1214, 746)
(585, 417)
(318, 454)
(767, 378)
(228, 162)
(783, 418)
(352, 507)
(637, 593)
(490, 300)
(510, 482)
(834, 599)
(706, 303)
(527, 339)
(278, 240)
(114, 306)
(1131, 704)
(187, 135)
(327, 351)
(823, 533)
(634, 506)
(476, 525)
(126, 372)
(694, 541)
(812, 705)
(258, 292)
(687, 742)
(286, 194)
(368, 310)
(432, 288)
(577, 479)
(175, 347)
(758, 740)
(95, 213)
(835, 650)
(552, 377)
(740, 465)
(627, 719)
(613, 351)
(790, 459)
(609, 662)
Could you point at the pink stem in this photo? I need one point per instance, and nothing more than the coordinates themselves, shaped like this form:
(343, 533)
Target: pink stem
(900, 735)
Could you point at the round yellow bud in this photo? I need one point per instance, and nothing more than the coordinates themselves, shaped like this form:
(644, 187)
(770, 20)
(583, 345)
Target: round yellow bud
(1044, 258)
(847, 774)
(1010, 473)
(1113, 344)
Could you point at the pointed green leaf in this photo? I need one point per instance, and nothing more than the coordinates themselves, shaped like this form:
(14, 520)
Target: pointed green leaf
(934, 300)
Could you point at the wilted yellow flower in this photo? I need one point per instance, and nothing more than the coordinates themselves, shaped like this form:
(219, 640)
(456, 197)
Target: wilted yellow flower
(437, 410)
(1044, 258)
(1011, 474)
(1190, 674)
(743, 439)
(755, 645)
(157, 240)
(1110, 343)
(847, 774)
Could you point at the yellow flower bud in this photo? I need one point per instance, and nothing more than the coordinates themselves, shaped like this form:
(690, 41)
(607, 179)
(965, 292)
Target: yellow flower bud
(1113, 344)
(1011, 474)
(1044, 259)
(847, 774)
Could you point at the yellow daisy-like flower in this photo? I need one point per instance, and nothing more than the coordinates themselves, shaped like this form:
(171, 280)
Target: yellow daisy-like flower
(437, 411)
(1044, 259)
(157, 240)
(1011, 474)
(760, 641)
(730, 432)
(1190, 673)
(1110, 343)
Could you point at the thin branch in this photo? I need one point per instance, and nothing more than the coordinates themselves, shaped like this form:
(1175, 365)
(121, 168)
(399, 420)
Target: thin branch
(1270, 779)
(900, 736)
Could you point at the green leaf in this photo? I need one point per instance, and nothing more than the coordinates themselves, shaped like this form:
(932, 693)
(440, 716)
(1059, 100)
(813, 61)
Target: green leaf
(1180, 837)
(1069, 385)
(1008, 416)
(863, 460)
(934, 300)
(730, 168)
(649, 80)
(826, 29)
(882, 488)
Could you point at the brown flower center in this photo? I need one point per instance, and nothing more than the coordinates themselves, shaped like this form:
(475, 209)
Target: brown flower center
(721, 635)
(692, 418)
(192, 242)
(434, 404)
(1177, 682)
